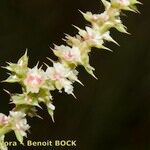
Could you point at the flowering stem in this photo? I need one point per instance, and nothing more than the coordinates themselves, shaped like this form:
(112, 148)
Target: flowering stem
(37, 84)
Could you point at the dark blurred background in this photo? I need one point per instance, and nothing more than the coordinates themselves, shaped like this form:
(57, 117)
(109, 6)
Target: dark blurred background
(112, 113)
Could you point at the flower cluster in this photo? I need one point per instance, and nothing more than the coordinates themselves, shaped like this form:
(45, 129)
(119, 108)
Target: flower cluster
(37, 83)
(17, 122)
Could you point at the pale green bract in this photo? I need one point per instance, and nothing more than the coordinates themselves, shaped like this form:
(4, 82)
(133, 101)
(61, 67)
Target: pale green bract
(38, 83)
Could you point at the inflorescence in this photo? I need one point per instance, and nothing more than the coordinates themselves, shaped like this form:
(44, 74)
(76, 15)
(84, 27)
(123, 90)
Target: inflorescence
(37, 84)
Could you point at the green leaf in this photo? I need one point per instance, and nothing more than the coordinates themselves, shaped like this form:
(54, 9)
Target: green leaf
(87, 16)
(134, 2)
(106, 3)
(51, 113)
(23, 61)
(121, 28)
(12, 79)
(90, 69)
(19, 137)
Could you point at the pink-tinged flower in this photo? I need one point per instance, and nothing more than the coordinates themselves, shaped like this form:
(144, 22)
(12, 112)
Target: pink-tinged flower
(98, 18)
(22, 127)
(57, 72)
(60, 75)
(34, 80)
(19, 122)
(73, 54)
(92, 36)
(3, 119)
(70, 54)
(103, 17)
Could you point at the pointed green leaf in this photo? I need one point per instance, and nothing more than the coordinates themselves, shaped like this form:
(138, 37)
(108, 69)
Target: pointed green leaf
(51, 113)
(121, 28)
(19, 137)
(12, 79)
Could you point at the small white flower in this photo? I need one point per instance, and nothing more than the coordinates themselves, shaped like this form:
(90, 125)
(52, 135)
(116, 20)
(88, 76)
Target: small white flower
(57, 72)
(3, 119)
(92, 36)
(22, 126)
(103, 17)
(34, 80)
(17, 114)
(60, 75)
(68, 53)
(67, 86)
(73, 54)
(19, 122)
